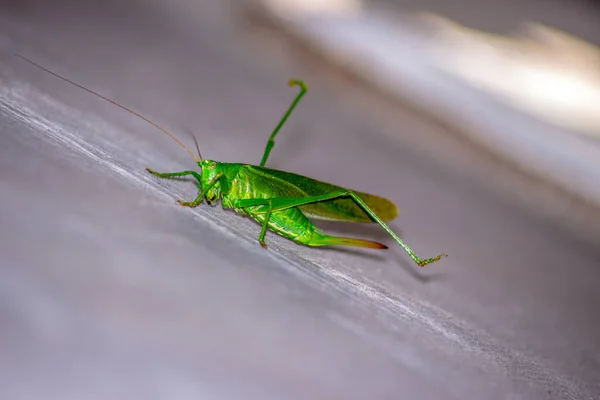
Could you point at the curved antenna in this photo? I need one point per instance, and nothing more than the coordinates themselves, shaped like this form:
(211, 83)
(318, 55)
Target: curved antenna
(191, 133)
(197, 147)
(115, 103)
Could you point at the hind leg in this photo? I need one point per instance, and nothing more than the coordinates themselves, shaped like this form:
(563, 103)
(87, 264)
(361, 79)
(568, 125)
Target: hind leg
(282, 203)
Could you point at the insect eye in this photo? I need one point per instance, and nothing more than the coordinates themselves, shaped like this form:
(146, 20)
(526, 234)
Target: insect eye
(213, 165)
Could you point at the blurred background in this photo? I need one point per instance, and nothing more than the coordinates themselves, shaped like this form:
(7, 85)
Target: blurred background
(481, 120)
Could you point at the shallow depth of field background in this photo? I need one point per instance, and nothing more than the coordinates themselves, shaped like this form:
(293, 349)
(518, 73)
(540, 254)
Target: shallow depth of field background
(481, 120)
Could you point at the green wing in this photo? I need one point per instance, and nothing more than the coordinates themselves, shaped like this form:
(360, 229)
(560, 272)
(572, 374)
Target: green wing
(287, 184)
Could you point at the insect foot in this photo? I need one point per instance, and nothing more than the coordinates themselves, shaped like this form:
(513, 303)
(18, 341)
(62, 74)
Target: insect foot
(432, 260)
(188, 203)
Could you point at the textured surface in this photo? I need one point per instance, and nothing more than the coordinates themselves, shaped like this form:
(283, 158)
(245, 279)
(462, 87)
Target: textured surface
(110, 289)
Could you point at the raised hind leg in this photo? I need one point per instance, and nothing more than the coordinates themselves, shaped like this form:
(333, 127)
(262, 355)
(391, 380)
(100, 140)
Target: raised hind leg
(271, 142)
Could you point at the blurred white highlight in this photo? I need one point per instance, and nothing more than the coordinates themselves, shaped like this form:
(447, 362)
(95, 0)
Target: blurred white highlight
(546, 72)
(335, 7)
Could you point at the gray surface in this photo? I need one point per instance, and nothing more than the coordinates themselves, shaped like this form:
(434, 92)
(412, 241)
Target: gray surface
(109, 289)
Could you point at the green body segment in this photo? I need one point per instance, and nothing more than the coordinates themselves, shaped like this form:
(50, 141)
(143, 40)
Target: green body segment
(249, 182)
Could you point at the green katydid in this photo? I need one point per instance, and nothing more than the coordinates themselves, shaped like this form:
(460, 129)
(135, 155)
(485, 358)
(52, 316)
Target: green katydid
(280, 201)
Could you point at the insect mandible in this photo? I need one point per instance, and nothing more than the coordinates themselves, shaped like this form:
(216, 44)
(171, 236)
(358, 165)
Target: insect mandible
(279, 201)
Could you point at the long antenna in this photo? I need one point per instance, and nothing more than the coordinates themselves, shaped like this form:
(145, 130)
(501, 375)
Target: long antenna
(115, 103)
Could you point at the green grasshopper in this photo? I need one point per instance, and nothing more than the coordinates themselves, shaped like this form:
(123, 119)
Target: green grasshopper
(280, 201)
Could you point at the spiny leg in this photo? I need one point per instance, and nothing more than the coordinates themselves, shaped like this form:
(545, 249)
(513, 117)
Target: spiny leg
(170, 175)
(263, 231)
(420, 263)
(201, 192)
(196, 201)
(271, 142)
(281, 203)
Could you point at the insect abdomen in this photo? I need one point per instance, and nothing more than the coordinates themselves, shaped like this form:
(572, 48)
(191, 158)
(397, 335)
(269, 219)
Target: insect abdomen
(290, 223)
